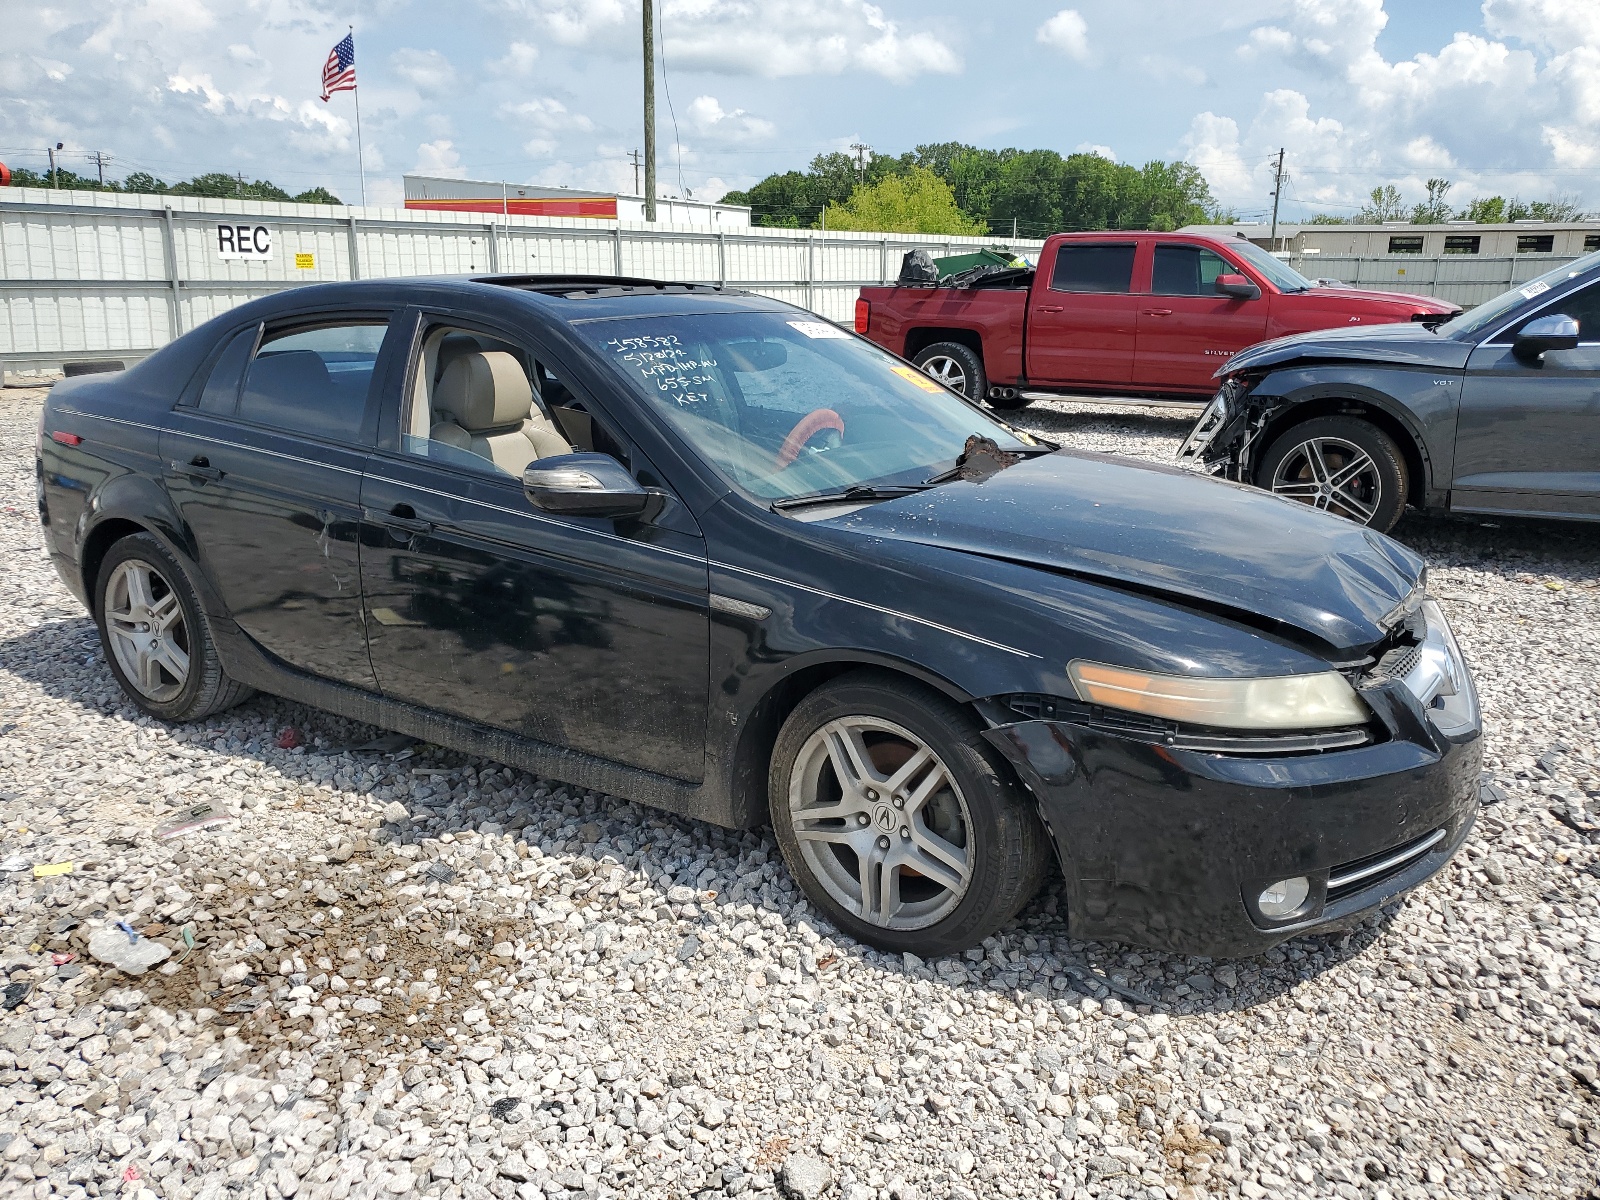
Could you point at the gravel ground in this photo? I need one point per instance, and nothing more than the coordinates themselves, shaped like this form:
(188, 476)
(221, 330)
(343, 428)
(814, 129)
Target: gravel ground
(429, 975)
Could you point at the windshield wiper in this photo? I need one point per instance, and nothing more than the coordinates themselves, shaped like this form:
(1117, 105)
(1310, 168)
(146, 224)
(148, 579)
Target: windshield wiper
(857, 491)
(981, 458)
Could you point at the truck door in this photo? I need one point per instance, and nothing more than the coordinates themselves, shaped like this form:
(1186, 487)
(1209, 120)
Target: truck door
(1082, 325)
(1186, 330)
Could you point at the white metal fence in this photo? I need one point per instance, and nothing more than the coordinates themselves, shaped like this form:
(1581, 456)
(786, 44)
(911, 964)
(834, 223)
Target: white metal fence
(1463, 279)
(110, 275)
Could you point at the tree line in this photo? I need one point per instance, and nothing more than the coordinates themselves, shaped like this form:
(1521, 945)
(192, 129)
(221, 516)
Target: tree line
(215, 185)
(1387, 204)
(951, 187)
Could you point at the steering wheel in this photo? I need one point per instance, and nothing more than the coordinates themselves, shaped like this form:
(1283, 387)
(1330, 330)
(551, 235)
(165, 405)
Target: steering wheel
(818, 420)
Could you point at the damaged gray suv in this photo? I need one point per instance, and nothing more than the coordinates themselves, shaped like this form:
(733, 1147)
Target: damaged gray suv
(1495, 411)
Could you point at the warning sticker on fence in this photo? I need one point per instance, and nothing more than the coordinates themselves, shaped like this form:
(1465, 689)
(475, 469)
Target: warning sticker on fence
(1534, 289)
(818, 329)
(912, 375)
(305, 262)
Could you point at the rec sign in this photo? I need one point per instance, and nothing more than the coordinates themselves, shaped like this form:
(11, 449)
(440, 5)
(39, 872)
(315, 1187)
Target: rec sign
(244, 241)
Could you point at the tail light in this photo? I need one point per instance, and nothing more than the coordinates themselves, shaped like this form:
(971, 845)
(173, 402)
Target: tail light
(863, 315)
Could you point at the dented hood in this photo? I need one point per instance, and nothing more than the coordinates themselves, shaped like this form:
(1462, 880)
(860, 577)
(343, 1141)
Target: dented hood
(1408, 343)
(1169, 533)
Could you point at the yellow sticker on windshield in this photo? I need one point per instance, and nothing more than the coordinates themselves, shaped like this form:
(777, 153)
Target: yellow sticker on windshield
(912, 375)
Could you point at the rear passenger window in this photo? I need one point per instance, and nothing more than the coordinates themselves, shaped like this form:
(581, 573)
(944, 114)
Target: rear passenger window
(1187, 271)
(314, 381)
(1093, 268)
(221, 393)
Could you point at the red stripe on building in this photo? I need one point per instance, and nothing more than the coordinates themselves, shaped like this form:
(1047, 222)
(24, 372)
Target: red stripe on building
(599, 207)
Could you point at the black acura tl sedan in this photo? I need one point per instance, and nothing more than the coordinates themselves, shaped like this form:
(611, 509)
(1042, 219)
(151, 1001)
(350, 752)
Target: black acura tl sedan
(1495, 411)
(700, 549)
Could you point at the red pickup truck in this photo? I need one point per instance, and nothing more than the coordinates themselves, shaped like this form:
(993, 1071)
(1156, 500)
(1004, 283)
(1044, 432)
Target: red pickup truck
(1148, 314)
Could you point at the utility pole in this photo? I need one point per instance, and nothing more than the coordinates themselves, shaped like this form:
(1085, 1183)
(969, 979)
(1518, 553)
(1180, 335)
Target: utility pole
(861, 160)
(52, 153)
(100, 159)
(1277, 191)
(649, 110)
(634, 154)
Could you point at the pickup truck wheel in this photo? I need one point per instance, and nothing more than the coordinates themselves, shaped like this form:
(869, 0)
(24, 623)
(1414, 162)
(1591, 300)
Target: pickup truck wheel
(898, 820)
(958, 367)
(1342, 465)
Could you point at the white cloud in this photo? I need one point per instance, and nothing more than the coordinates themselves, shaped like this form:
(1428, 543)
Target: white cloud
(772, 38)
(1481, 99)
(518, 61)
(1095, 148)
(439, 158)
(1067, 32)
(706, 116)
(549, 115)
(425, 70)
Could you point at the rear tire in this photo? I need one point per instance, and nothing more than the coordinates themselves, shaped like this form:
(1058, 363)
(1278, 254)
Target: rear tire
(958, 367)
(1343, 465)
(155, 637)
(877, 780)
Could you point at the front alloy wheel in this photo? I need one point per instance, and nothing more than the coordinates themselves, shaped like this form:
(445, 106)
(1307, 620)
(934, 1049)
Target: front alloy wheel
(1343, 465)
(897, 818)
(881, 823)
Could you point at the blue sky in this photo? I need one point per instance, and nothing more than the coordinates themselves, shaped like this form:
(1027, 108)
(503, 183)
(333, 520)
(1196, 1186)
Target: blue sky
(1502, 97)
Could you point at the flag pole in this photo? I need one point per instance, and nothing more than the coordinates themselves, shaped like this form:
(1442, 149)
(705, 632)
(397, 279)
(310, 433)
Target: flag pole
(361, 162)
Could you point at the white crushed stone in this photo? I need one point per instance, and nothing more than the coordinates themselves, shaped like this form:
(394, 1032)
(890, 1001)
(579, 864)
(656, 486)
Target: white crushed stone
(518, 988)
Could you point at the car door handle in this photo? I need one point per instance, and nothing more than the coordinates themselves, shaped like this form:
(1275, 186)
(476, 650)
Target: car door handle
(1158, 312)
(400, 521)
(196, 468)
(1048, 308)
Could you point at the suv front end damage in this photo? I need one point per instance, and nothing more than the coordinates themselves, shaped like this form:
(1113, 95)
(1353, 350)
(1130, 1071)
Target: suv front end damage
(1223, 439)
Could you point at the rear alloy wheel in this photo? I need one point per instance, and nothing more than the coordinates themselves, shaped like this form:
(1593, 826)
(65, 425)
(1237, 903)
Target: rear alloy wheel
(155, 637)
(898, 820)
(958, 367)
(1342, 465)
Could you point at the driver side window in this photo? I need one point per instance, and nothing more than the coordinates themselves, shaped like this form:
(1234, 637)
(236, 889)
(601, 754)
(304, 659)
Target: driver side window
(1582, 306)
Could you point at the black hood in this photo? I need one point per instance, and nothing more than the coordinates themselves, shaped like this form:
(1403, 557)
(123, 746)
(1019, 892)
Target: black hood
(1408, 344)
(1170, 533)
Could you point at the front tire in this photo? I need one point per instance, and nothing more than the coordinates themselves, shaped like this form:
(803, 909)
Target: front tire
(900, 823)
(1342, 465)
(154, 636)
(958, 367)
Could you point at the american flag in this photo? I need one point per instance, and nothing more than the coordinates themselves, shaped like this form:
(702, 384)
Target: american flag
(339, 72)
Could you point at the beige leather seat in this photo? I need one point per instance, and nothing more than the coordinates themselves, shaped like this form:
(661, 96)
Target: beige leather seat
(485, 405)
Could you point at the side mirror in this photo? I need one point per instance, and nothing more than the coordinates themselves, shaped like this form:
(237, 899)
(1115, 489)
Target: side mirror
(588, 485)
(1238, 287)
(1555, 332)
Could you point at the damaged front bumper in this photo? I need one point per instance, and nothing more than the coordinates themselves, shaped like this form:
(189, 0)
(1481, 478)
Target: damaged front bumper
(1222, 440)
(1171, 840)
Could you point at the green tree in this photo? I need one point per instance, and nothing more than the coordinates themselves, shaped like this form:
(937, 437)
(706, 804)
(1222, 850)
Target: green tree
(1384, 204)
(1557, 208)
(1327, 219)
(317, 195)
(216, 184)
(143, 181)
(1435, 209)
(917, 201)
(1485, 210)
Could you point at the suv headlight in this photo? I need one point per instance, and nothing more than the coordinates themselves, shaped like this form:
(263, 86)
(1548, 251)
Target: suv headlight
(1324, 700)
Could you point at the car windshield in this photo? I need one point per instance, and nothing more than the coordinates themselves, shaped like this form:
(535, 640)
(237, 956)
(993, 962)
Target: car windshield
(786, 405)
(1478, 320)
(1282, 276)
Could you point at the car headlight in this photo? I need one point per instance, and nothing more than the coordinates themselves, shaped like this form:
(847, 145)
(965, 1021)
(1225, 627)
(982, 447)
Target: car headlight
(1324, 700)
